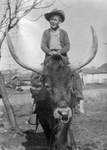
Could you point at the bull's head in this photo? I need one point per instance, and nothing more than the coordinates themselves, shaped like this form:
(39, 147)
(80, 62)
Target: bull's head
(55, 81)
(58, 82)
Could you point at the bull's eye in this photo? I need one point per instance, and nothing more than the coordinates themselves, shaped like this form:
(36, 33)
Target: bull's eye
(47, 86)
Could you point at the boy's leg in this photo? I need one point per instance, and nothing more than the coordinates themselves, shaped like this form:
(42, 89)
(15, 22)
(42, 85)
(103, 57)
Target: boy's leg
(79, 95)
(36, 85)
(80, 106)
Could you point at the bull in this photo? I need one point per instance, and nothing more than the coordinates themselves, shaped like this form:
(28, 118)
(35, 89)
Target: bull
(55, 111)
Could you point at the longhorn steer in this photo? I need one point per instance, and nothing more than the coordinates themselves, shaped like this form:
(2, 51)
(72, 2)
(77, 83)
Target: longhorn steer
(55, 110)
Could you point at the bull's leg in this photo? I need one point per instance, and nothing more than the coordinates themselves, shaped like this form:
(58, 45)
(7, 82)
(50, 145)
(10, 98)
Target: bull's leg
(59, 137)
(52, 143)
(45, 126)
(71, 143)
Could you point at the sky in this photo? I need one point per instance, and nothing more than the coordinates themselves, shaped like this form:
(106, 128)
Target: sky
(79, 16)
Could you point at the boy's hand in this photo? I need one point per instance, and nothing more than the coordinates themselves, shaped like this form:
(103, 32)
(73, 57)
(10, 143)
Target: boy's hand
(58, 52)
(52, 53)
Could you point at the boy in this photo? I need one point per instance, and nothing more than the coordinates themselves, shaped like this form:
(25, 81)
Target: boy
(55, 40)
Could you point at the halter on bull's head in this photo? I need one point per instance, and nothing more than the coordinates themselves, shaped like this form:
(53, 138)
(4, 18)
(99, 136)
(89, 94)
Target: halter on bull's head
(57, 101)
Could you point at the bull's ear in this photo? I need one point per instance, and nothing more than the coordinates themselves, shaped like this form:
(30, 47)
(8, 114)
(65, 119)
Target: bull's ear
(18, 60)
(90, 56)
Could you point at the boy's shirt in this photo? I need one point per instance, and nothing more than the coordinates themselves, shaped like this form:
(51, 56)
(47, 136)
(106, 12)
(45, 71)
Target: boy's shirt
(55, 39)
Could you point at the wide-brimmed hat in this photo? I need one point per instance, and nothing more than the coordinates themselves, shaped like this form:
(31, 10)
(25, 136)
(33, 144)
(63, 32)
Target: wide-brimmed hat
(55, 12)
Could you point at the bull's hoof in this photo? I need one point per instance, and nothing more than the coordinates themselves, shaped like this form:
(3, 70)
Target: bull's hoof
(72, 148)
(75, 149)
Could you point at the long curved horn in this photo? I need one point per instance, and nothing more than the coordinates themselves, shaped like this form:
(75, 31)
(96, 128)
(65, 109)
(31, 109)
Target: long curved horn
(78, 65)
(17, 59)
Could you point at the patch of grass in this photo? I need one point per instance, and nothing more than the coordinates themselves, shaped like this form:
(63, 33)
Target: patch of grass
(94, 86)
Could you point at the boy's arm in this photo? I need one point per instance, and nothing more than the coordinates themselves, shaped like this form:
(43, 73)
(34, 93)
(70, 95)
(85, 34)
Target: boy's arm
(66, 47)
(44, 44)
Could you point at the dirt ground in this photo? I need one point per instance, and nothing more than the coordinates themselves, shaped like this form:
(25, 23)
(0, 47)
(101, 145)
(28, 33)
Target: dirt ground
(90, 129)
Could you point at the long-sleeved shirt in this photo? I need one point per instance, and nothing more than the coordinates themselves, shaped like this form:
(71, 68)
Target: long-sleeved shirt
(64, 40)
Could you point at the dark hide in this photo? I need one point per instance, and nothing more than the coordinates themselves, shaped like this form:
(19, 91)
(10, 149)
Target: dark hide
(56, 93)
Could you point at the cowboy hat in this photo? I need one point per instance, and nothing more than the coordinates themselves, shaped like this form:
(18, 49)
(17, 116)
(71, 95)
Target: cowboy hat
(55, 12)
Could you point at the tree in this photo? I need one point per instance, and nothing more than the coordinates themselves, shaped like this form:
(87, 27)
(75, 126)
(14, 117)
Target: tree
(12, 11)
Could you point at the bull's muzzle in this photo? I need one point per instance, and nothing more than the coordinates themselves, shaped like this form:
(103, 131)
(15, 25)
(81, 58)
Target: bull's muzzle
(64, 114)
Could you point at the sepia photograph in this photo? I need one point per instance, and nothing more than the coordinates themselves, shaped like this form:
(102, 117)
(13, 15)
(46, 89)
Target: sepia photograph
(53, 75)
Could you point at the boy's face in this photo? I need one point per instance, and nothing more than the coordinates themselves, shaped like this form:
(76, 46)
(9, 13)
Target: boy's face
(55, 21)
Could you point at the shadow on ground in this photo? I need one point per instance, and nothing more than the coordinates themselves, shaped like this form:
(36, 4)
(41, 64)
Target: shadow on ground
(34, 140)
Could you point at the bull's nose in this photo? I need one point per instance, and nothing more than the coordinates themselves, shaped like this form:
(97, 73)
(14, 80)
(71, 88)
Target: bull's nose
(63, 113)
(64, 116)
